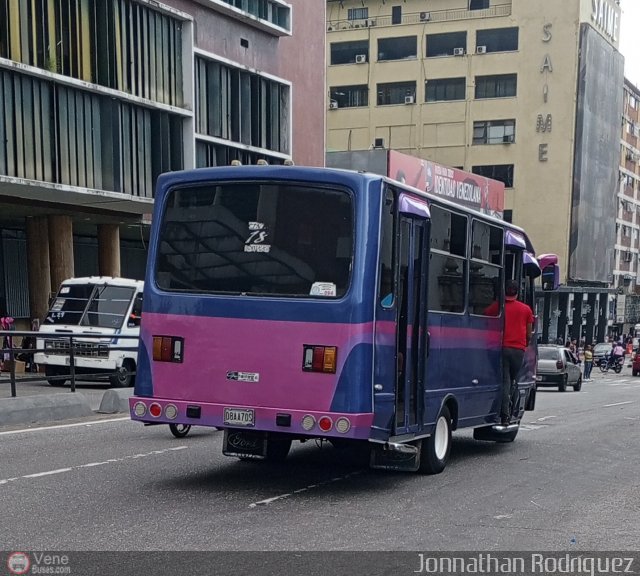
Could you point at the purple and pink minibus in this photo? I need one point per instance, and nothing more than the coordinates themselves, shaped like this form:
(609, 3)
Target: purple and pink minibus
(290, 303)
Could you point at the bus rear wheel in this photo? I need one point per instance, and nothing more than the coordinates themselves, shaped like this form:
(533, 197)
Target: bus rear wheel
(436, 448)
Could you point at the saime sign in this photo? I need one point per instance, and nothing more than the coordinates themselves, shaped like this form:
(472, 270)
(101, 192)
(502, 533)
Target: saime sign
(606, 17)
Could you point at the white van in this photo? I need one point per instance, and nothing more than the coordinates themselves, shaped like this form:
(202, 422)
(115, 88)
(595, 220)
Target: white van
(99, 305)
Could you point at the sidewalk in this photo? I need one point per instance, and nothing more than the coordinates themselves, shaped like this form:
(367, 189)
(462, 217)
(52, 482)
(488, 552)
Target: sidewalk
(39, 402)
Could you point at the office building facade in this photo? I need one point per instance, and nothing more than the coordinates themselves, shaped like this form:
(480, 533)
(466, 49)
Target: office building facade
(528, 93)
(99, 98)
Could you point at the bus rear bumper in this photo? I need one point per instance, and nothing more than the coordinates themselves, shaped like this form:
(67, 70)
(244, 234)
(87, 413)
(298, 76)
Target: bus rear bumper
(302, 423)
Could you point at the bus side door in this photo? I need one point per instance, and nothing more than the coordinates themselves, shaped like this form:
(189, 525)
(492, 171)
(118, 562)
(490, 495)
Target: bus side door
(411, 332)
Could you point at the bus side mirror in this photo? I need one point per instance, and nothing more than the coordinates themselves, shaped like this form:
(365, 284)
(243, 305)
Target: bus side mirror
(550, 277)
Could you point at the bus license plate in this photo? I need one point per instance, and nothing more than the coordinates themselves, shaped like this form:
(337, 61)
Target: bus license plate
(238, 417)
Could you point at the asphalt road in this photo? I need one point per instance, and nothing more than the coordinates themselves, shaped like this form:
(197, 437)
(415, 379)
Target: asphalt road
(570, 481)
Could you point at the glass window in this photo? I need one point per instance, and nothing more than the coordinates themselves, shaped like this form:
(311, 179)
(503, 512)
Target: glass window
(358, 13)
(498, 39)
(443, 89)
(398, 48)
(446, 44)
(108, 307)
(494, 132)
(447, 261)
(478, 4)
(350, 96)
(273, 239)
(485, 269)
(386, 289)
(346, 52)
(395, 92)
(501, 172)
(496, 86)
(70, 304)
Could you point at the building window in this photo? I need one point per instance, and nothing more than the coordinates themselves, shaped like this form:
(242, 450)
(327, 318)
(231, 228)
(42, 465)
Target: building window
(444, 89)
(396, 15)
(396, 92)
(449, 44)
(478, 4)
(358, 13)
(501, 172)
(633, 102)
(350, 96)
(119, 44)
(398, 48)
(508, 216)
(346, 52)
(494, 132)
(497, 40)
(241, 106)
(209, 154)
(267, 10)
(497, 86)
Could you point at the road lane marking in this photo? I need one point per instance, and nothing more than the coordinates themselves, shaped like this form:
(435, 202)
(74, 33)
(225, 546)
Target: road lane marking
(618, 404)
(93, 464)
(74, 425)
(268, 501)
(533, 426)
(545, 418)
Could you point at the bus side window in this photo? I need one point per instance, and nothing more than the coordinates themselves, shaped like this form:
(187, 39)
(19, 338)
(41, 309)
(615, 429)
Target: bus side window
(386, 289)
(485, 277)
(447, 261)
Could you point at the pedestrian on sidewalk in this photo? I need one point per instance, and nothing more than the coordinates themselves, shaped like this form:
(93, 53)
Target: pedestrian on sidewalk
(588, 362)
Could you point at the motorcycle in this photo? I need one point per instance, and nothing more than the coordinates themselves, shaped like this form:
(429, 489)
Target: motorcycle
(610, 363)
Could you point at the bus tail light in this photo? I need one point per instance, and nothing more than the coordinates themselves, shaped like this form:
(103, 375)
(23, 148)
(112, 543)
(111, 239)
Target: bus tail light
(325, 423)
(343, 425)
(168, 348)
(155, 410)
(319, 359)
(308, 422)
(139, 409)
(171, 411)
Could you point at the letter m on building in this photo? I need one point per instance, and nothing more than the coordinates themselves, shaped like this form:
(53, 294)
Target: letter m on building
(544, 124)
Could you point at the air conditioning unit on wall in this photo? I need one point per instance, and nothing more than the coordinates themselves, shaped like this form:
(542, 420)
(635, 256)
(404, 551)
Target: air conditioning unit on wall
(481, 49)
(361, 58)
(458, 51)
(425, 16)
(410, 99)
(333, 105)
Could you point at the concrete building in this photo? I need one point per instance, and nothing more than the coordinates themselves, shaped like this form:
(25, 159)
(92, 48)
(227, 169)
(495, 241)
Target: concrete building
(98, 98)
(525, 92)
(627, 262)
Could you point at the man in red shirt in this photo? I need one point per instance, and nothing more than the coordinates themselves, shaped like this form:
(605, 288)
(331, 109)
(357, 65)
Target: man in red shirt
(518, 326)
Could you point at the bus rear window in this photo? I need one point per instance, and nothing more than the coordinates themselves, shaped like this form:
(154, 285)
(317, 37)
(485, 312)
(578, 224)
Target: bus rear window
(256, 238)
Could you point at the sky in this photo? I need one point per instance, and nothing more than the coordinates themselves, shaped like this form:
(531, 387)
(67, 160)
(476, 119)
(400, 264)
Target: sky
(629, 45)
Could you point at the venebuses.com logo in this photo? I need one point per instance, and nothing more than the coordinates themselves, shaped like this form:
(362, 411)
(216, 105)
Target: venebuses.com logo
(18, 563)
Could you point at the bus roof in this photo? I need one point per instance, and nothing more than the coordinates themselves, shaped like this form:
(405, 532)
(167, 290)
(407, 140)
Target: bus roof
(337, 175)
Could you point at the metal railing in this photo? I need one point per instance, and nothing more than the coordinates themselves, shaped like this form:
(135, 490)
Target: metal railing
(73, 346)
(425, 17)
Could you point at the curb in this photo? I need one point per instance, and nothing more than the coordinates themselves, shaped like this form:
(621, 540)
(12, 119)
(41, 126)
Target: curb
(43, 408)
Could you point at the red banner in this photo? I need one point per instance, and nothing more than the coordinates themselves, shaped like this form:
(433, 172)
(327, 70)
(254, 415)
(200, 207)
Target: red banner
(477, 192)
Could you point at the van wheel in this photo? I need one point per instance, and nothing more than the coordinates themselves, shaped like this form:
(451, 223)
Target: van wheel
(123, 376)
(51, 372)
(578, 385)
(436, 448)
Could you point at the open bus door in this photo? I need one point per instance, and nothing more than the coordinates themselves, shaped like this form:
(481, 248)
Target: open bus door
(411, 332)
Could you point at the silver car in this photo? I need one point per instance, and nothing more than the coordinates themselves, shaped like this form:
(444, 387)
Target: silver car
(557, 367)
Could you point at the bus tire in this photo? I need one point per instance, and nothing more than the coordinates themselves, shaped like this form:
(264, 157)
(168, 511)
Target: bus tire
(277, 449)
(180, 430)
(436, 448)
(123, 376)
